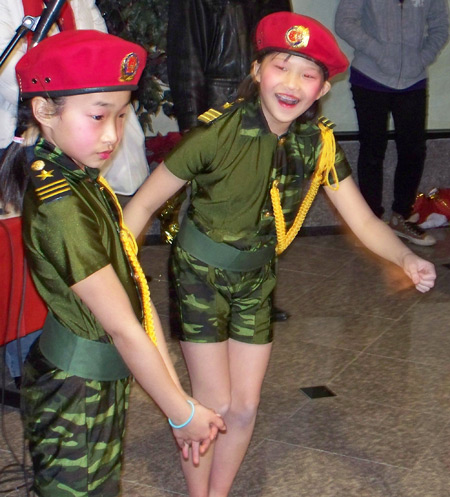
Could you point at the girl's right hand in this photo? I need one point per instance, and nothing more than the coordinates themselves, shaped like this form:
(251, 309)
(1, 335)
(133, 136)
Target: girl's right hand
(199, 433)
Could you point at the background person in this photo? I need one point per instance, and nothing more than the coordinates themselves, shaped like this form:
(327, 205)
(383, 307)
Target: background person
(394, 42)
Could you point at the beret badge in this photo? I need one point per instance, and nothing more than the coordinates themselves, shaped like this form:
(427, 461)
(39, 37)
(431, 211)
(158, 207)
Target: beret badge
(129, 67)
(297, 36)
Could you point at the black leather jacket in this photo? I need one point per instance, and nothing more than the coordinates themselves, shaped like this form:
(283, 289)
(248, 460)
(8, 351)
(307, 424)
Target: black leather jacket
(209, 51)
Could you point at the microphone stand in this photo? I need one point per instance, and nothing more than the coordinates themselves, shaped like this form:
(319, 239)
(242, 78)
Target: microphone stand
(29, 23)
(39, 25)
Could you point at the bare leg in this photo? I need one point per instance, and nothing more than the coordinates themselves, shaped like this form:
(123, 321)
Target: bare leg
(229, 380)
(248, 365)
(209, 373)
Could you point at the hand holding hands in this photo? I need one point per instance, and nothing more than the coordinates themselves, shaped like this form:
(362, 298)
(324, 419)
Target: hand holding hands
(199, 432)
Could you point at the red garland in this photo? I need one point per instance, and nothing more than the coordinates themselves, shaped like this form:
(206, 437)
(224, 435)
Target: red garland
(159, 146)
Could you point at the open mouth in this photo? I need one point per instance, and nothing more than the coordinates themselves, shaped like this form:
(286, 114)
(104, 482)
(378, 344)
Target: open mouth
(287, 100)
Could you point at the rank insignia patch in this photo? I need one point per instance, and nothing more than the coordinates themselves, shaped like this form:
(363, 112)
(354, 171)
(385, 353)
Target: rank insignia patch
(50, 184)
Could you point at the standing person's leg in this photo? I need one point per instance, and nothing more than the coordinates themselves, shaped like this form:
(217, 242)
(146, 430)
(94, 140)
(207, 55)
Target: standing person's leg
(226, 377)
(248, 365)
(372, 111)
(226, 344)
(249, 350)
(209, 374)
(409, 114)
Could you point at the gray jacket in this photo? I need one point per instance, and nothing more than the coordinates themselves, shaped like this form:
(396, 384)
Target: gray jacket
(394, 41)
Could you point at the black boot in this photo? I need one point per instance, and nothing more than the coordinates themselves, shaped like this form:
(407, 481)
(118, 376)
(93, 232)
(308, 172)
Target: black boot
(277, 315)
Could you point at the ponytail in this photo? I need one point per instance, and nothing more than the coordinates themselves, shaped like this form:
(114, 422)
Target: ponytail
(13, 176)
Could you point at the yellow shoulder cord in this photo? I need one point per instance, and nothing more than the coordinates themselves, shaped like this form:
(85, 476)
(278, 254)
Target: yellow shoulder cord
(130, 246)
(325, 166)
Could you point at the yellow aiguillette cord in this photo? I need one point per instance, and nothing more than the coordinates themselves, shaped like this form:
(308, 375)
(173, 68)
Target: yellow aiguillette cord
(130, 246)
(325, 166)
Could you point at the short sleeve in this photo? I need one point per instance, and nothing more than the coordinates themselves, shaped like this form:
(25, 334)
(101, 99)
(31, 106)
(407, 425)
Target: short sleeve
(194, 153)
(343, 168)
(66, 235)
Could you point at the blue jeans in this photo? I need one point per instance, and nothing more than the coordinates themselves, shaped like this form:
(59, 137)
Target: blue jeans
(17, 351)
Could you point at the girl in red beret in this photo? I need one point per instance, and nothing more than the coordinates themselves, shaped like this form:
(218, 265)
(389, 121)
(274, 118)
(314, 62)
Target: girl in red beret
(247, 166)
(82, 258)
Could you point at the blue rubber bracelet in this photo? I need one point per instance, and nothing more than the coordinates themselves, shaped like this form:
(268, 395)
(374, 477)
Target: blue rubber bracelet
(186, 422)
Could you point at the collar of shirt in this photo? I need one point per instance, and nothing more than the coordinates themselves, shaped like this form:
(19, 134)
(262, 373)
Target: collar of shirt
(45, 150)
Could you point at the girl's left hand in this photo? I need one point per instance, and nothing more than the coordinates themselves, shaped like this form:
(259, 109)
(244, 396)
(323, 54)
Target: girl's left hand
(421, 272)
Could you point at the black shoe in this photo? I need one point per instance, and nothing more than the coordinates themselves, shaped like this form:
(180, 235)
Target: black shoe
(278, 315)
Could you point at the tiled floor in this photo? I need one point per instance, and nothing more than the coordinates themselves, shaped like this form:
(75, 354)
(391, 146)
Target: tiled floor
(357, 327)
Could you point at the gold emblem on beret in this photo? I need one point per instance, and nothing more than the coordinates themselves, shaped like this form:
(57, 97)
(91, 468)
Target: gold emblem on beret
(129, 67)
(38, 165)
(297, 36)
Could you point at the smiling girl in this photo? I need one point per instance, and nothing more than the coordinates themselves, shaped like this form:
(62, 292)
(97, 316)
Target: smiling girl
(75, 88)
(247, 166)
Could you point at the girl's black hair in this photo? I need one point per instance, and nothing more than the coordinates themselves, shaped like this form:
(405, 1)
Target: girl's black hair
(249, 89)
(13, 176)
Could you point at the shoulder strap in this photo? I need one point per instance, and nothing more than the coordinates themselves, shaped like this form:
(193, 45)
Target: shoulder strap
(49, 184)
(209, 116)
(212, 114)
(326, 122)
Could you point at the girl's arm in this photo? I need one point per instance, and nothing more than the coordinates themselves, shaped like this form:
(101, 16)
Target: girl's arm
(156, 189)
(377, 236)
(162, 348)
(105, 296)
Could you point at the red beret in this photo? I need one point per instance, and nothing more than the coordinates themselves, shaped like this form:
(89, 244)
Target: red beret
(300, 35)
(80, 61)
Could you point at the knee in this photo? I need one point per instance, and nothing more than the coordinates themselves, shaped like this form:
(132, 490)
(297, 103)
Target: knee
(244, 410)
(222, 406)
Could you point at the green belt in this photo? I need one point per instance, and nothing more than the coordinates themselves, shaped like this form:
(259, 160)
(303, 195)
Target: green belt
(221, 255)
(80, 356)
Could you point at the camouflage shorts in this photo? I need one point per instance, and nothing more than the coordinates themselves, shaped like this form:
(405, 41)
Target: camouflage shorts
(74, 428)
(216, 304)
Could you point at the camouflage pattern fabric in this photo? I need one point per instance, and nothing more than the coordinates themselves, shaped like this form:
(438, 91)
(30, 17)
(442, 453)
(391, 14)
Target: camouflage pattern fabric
(216, 304)
(74, 428)
(232, 163)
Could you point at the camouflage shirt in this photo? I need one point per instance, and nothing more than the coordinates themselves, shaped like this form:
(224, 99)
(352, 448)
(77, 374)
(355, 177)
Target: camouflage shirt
(232, 162)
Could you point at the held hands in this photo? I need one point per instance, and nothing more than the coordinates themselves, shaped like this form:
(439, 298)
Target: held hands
(421, 272)
(199, 432)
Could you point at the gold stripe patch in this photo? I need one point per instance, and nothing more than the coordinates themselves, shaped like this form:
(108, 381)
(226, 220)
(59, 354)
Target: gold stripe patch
(54, 183)
(44, 195)
(209, 115)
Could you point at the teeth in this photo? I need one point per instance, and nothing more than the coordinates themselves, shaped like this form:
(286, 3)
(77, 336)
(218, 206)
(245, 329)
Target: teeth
(288, 100)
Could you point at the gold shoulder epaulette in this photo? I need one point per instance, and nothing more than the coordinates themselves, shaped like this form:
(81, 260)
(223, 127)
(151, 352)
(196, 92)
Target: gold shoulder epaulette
(209, 116)
(326, 122)
(212, 114)
(48, 181)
